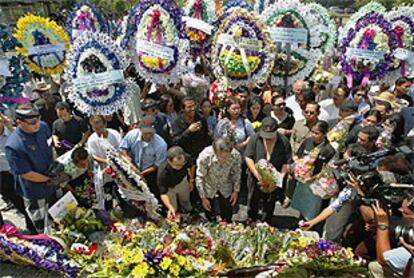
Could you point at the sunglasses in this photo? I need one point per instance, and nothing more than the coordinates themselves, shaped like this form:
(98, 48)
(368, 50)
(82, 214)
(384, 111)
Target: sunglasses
(32, 121)
(309, 112)
(361, 95)
(282, 104)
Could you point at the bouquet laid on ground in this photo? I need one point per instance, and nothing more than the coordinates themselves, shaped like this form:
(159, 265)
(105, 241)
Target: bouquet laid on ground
(16, 74)
(309, 257)
(242, 50)
(325, 185)
(95, 74)
(43, 43)
(296, 35)
(85, 17)
(161, 48)
(368, 45)
(200, 17)
(338, 134)
(40, 251)
(303, 167)
(270, 176)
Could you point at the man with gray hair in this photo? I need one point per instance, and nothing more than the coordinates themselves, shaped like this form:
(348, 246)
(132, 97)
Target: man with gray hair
(293, 101)
(218, 179)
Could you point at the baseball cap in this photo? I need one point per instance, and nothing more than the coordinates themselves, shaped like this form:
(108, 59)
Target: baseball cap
(269, 128)
(147, 124)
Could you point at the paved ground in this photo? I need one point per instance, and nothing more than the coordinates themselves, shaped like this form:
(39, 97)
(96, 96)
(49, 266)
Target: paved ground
(284, 218)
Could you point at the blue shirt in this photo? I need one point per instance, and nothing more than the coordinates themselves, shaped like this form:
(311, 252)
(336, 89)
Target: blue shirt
(144, 154)
(397, 259)
(31, 152)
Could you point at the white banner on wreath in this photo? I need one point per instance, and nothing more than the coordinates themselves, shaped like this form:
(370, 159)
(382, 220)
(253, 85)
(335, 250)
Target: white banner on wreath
(155, 50)
(404, 55)
(98, 80)
(289, 35)
(365, 54)
(245, 43)
(198, 24)
(45, 49)
(4, 67)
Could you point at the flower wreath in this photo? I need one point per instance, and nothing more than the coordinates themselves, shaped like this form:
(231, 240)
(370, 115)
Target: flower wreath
(366, 52)
(161, 44)
(44, 44)
(260, 6)
(94, 56)
(326, 26)
(131, 184)
(402, 20)
(303, 59)
(219, 92)
(242, 50)
(85, 17)
(205, 11)
(11, 86)
(231, 5)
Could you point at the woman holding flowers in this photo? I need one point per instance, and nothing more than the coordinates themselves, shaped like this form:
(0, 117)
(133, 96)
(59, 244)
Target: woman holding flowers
(315, 152)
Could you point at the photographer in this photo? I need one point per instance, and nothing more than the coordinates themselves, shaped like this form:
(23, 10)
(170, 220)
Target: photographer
(392, 262)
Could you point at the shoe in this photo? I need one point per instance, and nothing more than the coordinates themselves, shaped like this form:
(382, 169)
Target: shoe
(286, 203)
(8, 207)
(241, 215)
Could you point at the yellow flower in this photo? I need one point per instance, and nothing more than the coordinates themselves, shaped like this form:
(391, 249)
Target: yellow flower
(151, 271)
(188, 266)
(350, 253)
(237, 31)
(152, 62)
(140, 270)
(256, 125)
(175, 270)
(165, 264)
(181, 260)
(70, 206)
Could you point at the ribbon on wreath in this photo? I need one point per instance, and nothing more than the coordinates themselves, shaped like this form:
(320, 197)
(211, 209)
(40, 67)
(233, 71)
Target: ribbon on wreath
(12, 231)
(86, 22)
(399, 31)
(368, 35)
(197, 13)
(155, 22)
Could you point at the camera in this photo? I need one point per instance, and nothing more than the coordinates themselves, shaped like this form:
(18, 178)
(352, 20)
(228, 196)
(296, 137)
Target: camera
(406, 232)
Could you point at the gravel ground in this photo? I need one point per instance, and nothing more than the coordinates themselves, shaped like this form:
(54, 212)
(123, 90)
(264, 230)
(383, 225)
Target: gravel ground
(284, 218)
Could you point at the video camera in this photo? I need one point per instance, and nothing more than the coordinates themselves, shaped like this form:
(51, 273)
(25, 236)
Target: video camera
(388, 188)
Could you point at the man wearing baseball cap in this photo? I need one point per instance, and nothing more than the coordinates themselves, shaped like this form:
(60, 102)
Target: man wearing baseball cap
(29, 152)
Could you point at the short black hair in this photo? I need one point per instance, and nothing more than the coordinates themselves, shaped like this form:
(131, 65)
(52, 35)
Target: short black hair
(356, 150)
(400, 81)
(308, 95)
(374, 113)
(358, 89)
(187, 99)
(344, 88)
(318, 107)
(63, 105)
(371, 131)
(79, 154)
(323, 126)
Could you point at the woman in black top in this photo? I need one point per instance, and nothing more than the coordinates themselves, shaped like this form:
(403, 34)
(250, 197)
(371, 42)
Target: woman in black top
(255, 109)
(303, 199)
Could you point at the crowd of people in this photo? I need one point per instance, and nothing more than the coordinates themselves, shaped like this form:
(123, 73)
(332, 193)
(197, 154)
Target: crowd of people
(199, 160)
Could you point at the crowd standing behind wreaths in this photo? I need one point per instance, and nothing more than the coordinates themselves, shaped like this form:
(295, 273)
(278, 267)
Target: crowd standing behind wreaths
(205, 160)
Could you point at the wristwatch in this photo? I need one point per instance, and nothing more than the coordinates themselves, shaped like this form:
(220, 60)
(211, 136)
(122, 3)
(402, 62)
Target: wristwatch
(383, 227)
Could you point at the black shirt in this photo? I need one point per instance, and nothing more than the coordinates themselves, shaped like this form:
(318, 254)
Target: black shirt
(169, 177)
(192, 142)
(281, 154)
(326, 152)
(71, 131)
(47, 110)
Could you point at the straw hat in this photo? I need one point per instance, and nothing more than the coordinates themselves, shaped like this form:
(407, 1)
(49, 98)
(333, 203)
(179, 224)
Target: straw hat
(387, 97)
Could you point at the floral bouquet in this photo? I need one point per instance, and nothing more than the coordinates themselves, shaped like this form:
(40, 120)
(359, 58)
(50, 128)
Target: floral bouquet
(131, 184)
(85, 194)
(85, 17)
(95, 74)
(161, 46)
(325, 185)
(269, 175)
(368, 46)
(219, 92)
(402, 20)
(307, 257)
(384, 140)
(321, 76)
(40, 251)
(338, 134)
(200, 19)
(43, 43)
(11, 85)
(296, 58)
(303, 167)
(242, 50)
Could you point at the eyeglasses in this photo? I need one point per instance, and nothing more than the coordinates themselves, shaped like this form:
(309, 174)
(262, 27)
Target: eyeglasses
(282, 104)
(361, 95)
(309, 112)
(32, 121)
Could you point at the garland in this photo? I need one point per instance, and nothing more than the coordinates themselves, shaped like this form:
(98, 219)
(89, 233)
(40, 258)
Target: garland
(402, 20)
(205, 11)
(85, 17)
(44, 44)
(299, 62)
(248, 62)
(131, 184)
(11, 86)
(366, 53)
(91, 56)
(326, 26)
(161, 45)
(231, 5)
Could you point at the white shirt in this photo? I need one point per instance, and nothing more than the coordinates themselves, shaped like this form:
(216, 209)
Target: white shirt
(97, 145)
(4, 164)
(329, 106)
(132, 108)
(298, 114)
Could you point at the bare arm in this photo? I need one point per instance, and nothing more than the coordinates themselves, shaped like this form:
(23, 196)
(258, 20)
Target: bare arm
(35, 177)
